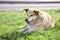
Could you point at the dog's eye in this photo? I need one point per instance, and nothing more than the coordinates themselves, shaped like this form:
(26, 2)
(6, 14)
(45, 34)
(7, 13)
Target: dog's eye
(31, 15)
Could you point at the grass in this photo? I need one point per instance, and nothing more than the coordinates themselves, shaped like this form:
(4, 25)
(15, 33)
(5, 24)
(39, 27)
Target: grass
(11, 21)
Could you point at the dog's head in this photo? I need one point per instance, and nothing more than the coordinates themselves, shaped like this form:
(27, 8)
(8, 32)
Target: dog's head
(32, 14)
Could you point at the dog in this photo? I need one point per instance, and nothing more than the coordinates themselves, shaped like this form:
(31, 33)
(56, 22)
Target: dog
(37, 20)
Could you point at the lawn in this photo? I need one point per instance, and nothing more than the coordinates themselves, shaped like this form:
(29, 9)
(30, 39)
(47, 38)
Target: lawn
(11, 21)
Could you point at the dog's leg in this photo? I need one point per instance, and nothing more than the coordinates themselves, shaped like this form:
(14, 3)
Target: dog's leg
(28, 31)
(23, 29)
(34, 28)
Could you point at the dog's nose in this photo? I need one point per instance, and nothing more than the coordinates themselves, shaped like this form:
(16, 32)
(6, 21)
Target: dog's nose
(26, 20)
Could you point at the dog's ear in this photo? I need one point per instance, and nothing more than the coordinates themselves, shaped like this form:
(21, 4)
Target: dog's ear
(36, 12)
(26, 10)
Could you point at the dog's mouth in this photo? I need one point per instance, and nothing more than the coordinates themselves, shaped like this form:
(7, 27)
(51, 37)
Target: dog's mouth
(29, 21)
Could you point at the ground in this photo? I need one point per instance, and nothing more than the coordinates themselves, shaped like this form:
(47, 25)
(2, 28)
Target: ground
(11, 21)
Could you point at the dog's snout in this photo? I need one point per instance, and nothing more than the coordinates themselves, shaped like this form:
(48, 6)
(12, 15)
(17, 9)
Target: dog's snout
(26, 20)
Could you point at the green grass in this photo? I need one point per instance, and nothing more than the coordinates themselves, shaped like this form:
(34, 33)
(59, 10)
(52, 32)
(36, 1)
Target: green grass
(11, 21)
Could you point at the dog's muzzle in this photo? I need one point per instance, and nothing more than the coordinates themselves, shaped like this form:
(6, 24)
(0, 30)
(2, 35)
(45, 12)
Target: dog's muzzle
(27, 21)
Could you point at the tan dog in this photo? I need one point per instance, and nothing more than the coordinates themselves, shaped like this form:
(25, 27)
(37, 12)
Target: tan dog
(37, 20)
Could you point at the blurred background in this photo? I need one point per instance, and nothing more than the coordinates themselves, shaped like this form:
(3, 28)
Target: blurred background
(20, 4)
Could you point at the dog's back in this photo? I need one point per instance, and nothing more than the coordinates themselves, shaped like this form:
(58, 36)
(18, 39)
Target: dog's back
(48, 20)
